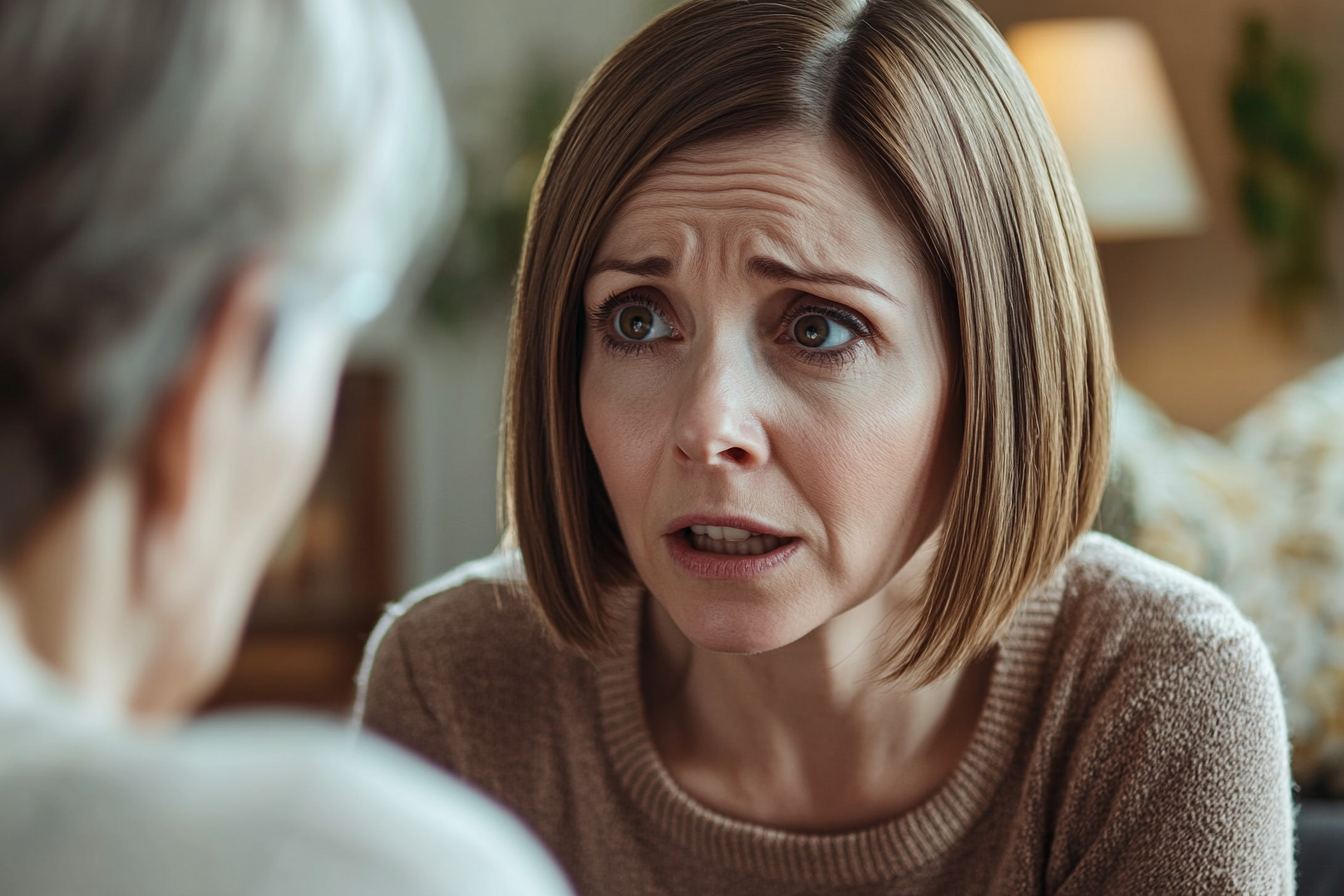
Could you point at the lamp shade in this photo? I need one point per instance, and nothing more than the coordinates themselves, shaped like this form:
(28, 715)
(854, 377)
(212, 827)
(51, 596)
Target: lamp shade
(1102, 84)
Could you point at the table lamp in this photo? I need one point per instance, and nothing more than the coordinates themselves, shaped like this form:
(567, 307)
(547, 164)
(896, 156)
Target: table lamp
(1103, 86)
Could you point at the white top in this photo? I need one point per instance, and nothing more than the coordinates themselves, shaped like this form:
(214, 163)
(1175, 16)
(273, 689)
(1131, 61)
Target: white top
(262, 805)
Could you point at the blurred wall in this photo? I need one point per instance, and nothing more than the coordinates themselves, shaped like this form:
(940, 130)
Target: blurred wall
(451, 380)
(1183, 310)
(483, 49)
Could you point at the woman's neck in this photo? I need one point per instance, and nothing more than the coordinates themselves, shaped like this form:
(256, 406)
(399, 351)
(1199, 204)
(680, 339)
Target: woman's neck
(66, 596)
(806, 737)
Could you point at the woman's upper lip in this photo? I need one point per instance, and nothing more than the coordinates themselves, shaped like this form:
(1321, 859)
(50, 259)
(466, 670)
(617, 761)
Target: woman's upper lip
(735, 522)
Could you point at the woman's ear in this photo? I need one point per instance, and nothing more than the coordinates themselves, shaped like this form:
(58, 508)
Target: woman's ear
(197, 418)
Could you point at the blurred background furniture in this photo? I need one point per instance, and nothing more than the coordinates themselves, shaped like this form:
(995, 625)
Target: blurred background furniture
(1259, 512)
(335, 569)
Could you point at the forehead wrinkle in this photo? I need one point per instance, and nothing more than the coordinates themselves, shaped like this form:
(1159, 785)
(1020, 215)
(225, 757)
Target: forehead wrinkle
(784, 179)
(778, 215)
(672, 242)
(676, 178)
(723, 162)
(775, 207)
(738, 235)
(725, 200)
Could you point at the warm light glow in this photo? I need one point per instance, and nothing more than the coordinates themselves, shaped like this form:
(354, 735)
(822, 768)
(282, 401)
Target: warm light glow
(1102, 82)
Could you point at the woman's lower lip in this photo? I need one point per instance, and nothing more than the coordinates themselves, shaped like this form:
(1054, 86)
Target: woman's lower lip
(726, 566)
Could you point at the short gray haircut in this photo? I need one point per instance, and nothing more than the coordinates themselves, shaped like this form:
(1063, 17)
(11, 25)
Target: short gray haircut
(149, 148)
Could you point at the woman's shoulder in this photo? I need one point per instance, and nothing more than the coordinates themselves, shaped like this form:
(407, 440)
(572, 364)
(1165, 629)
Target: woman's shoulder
(489, 593)
(1129, 650)
(1119, 595)
(464, 660)
(1141, 632)
(1160, 722)
(1148, 660)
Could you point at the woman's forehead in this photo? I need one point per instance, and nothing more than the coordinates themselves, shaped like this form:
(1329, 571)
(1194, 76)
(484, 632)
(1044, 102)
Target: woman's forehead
(797, 191)
(787, 167)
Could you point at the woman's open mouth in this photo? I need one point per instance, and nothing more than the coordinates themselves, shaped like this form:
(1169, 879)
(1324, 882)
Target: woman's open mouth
(707, 548)
(728, 540)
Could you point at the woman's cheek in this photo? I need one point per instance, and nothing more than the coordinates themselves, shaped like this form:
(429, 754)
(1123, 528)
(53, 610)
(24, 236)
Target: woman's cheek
(621, 420)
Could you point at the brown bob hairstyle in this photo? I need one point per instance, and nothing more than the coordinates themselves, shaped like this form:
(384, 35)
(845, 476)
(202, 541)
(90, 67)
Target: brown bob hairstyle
(928, 99)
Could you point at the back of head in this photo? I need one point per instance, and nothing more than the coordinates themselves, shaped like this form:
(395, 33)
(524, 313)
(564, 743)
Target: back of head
(152, 146)
(928, 101)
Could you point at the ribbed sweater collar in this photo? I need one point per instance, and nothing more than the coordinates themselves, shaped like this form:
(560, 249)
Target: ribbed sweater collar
(895, 848)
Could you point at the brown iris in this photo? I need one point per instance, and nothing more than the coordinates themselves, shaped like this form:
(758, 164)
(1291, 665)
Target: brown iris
(811, 330)
(634, 322)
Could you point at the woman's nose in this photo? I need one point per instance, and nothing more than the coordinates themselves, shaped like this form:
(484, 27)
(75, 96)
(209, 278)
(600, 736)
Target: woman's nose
(718, 419)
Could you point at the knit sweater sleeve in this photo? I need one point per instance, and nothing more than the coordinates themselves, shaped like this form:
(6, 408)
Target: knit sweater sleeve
(1180, 783)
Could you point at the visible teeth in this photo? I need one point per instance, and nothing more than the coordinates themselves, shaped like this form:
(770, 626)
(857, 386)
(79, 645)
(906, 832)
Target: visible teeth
(722, 533)
(749, 546)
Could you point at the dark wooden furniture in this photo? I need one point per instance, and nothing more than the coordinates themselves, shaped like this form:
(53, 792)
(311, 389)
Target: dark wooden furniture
(335, 569)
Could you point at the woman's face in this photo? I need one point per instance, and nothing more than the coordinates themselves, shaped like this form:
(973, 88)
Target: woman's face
(767, 389)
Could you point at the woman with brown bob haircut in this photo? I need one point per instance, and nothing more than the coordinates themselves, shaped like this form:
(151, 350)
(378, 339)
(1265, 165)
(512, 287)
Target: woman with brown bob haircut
(807, 417)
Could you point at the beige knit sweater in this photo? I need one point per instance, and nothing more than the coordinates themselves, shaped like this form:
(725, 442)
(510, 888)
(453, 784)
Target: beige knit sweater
(1132, 742)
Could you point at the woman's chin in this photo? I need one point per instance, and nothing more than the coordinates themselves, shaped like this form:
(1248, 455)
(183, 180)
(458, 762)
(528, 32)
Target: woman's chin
(738, 629)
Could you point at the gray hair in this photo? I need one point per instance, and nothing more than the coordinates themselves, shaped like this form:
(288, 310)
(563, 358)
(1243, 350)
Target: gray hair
(152, 146)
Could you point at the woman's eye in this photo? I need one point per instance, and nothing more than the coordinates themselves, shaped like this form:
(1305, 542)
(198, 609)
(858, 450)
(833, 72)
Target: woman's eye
(640, 323)
(817, 331)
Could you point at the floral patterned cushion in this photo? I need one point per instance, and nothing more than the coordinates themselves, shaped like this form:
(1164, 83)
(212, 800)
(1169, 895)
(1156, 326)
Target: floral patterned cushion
(1297, 438)
(1260, 513)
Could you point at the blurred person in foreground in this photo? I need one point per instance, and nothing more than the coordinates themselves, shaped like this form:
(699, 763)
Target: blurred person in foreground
(200, 201)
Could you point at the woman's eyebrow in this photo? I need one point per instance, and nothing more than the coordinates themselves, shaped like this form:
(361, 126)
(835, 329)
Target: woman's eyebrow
(653, 266)
(778, 271)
